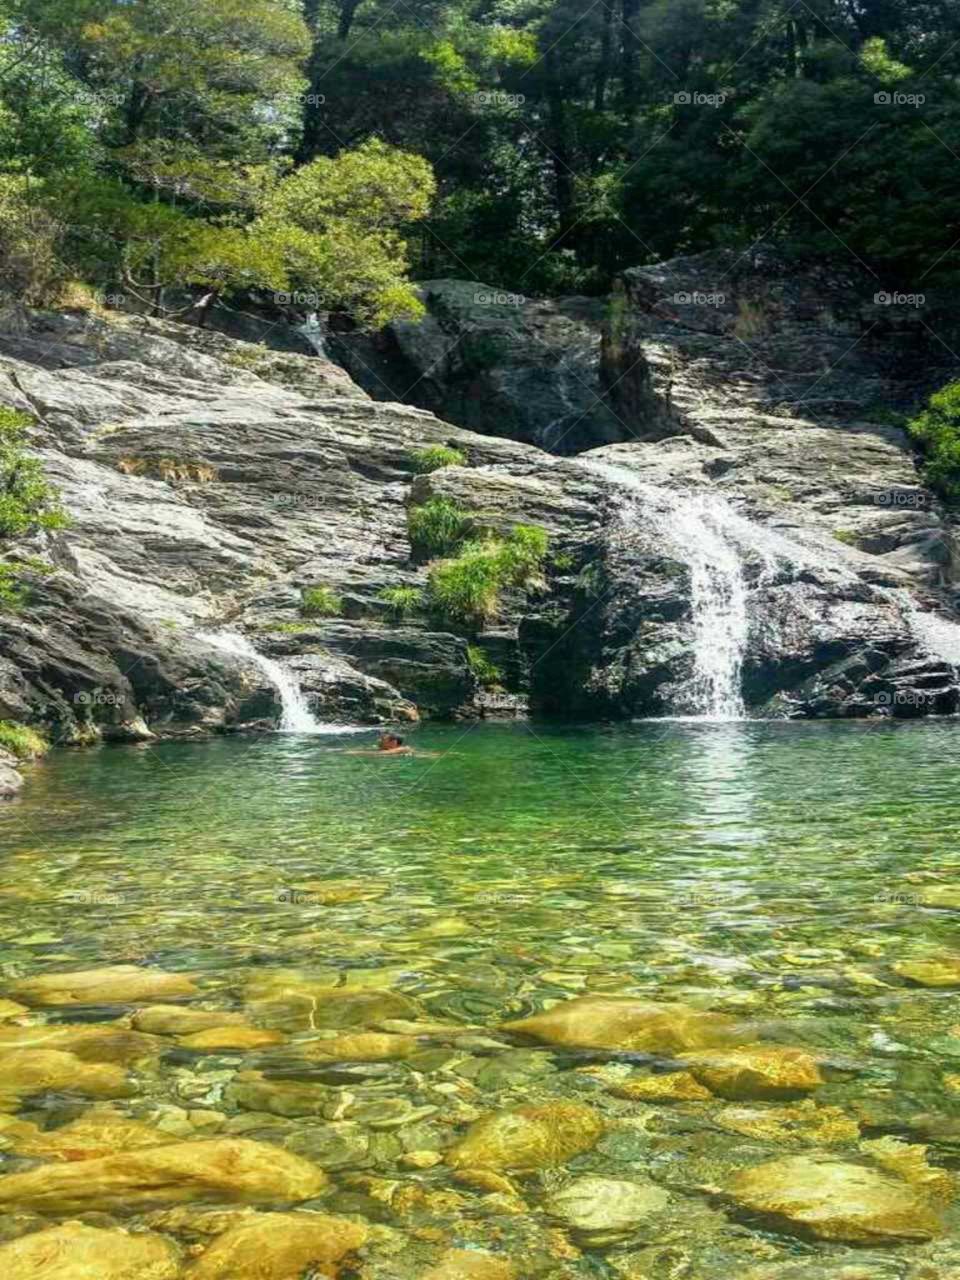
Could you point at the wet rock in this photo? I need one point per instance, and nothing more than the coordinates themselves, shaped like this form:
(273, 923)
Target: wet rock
(831, 1200)
(805, 1123)
(10, 1009)
(755, 1072)
(340, 1145)
(235, 1037)
(115, 984)
(251, 1091)
(98, 1132)
(288, 1001)
(605, 1209)
(465, 1264)
(936, 971)
(171, 1020)
(366, 1046)
(218, 1169)
(675, 1086)
(88, 1043)
(279, 1246)
(24, 1072)
(528, 1138)
(73, 1251)
(11, 779)
(621, 1022)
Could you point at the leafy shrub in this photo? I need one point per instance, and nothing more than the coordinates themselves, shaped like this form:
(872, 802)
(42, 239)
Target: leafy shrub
(467, 589)
(487, 672)
(22, 742)
(435, 456)
(12, 591)
(937, 431)
(27, 500)
(31, 269)
(401, 601)
(437, 526)
(320, 602)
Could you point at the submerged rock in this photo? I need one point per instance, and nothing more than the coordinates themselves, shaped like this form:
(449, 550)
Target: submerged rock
(832, 1200)
(364, 1046)
(604, 1209)
(99, 1132)
(755, 1072)
(73, 1251)
(103, 1043)
(172, 1020)
(230, 1037)
(234, 1169)
(935, 971)
(625, 1023)
(805, 1124)
(252, 1091)
(28, 1071)
(677, 1086)
(465, 1264)
(115, 984)
(525, 1139)
(279, 1246)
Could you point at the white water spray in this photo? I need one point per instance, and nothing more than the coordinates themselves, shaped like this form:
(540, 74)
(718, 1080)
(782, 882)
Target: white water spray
(297, 716)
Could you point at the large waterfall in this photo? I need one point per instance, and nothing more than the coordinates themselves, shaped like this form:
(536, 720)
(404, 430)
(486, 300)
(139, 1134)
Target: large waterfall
(297, 716)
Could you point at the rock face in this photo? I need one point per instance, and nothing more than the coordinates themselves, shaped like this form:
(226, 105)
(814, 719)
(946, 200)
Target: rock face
(210, 482)
(220, 1169)
(832, 1200)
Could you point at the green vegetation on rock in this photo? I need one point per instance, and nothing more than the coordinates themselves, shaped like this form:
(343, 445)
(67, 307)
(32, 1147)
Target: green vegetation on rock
(401, 601)
(937, 431)
(487, 672)
(437, 526)
(27, 500)
(435, 456)
(467, 588)
(320, 602)
(21, 741)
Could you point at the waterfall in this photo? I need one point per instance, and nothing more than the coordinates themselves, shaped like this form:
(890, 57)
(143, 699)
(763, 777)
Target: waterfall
(297, 716)
(704, 532)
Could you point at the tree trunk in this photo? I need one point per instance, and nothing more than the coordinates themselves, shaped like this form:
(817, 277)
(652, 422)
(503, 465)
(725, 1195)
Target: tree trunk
(559, 143)
(629, 46)
(603, 66)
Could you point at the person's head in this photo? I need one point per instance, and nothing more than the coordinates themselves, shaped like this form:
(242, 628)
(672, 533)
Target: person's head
(389, 741)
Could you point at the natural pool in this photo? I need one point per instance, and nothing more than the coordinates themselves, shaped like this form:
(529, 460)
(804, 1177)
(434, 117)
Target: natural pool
(801, 879)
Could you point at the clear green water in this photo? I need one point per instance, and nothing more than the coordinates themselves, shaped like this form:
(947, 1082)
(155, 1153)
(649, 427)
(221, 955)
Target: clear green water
(772, 871)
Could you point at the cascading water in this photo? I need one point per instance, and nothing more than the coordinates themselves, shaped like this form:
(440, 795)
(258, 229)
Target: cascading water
(705, 533)
(297, 716)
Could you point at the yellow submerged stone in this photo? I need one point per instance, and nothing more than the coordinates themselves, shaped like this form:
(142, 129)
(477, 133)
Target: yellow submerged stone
(805, 1123)
(755, 1072)
(622, 1022)
(676, 1086)
(233, 1169)
(73, 1251)
(362, 1046)
(832, 1200)
(235, 1037)
(465, 1264)
(525, 1139)
(279, 1246)
(24, 1072)
(98, 1043)
(99, 1132)
(114, 984)
(935, 971)
(175, 1020)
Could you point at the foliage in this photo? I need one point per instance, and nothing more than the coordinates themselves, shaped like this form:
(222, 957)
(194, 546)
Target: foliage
(937, 431)
(401, 601)
(437, 526)
(487, 672)
(27, 500)
(467, 588)
(21, 741)
(435, 456)
(31, 268)
(320, 602)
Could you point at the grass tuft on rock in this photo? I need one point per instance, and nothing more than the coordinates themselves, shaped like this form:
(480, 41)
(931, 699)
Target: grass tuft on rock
(437, 527)
(488, 674)
(21, 741)
(467, 588)
(401, 601)
(434, 457)
(320, 602)
(27, 500)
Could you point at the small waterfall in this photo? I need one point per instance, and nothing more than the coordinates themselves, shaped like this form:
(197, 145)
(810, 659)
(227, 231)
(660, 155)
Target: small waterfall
(297, 716)
(711, 539)
(315, 333)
